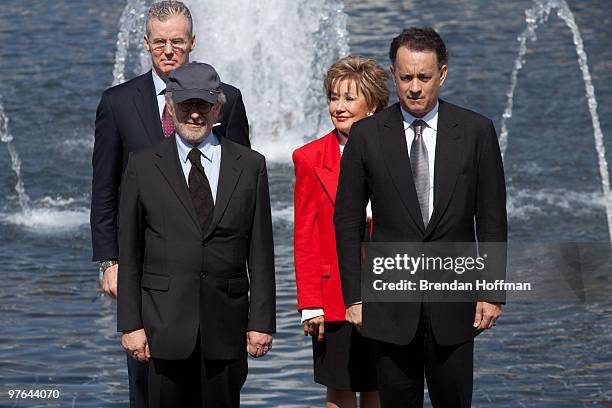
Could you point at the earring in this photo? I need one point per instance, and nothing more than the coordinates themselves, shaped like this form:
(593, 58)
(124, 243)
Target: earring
(370, 113)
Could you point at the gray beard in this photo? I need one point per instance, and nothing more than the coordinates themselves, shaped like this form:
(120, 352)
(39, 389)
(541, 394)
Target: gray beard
(192, 137)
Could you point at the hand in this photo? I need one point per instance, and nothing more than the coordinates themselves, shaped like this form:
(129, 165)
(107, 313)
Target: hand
(109, 281)
(258, 343)
(486, 315)
(135, 343)
(353, 315)
(315, 327)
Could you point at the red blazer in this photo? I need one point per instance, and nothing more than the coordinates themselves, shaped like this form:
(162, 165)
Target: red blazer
(317, 168)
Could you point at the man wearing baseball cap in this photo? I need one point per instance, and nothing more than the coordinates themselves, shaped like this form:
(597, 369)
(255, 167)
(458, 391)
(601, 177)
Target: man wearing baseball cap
(196, 290)
(131, 116)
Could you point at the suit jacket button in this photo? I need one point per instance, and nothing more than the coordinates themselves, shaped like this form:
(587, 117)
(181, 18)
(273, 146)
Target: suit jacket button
(202, 275)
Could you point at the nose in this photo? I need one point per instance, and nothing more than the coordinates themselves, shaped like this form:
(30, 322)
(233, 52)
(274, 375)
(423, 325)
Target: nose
(414, 87)
(168, 48)
(340, 106)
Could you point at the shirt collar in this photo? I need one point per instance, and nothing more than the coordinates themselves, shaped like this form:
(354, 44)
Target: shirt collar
(160, 84)
(206, 147)
(431, 118)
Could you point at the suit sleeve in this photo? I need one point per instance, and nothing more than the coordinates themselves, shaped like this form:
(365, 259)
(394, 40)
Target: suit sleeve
(107, 167)
(306, 241)
(262, 309)
(238, 124)
(491, 217)
(131, 253)
(349, 216)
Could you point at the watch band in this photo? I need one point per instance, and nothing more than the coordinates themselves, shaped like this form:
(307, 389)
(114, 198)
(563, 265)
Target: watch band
(108, 263)
(104, 265)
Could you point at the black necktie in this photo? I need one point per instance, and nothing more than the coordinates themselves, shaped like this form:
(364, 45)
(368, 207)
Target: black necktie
(420, 168)
(201, 194)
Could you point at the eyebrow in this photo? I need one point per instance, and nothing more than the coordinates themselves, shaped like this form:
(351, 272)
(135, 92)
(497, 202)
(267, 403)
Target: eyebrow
(165, 39)
(418, 73)
(345, 93)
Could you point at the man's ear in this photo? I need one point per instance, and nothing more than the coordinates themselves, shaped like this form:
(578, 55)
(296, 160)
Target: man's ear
(218, 107)
(193, 43)
(146, 44)
(443, 72)
(170, 108)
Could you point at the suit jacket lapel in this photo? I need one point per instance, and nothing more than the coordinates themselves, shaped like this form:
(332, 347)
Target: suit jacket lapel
(330, 171)
(169, 166)
(447, 164)
(395, 155)
(146, 106)
(229, 173)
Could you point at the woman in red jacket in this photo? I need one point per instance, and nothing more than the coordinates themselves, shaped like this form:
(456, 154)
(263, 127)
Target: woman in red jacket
(343, 359)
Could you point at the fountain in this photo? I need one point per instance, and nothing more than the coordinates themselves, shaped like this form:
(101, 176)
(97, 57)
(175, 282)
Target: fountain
(44, 216)
(534, 17)
(277, 53)
(131, 30)
(6, 137)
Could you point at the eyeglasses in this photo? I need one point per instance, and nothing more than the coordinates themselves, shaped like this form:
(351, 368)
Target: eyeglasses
(200, 106)
(178, 45)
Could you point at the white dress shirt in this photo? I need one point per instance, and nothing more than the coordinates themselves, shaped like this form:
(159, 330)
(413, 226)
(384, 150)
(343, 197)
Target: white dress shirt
(160, 88)
(429, 137)
(210, 158)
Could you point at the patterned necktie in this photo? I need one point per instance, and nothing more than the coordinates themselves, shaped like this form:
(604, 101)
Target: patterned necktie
(167, 123)
(420, 168)
(200, 191)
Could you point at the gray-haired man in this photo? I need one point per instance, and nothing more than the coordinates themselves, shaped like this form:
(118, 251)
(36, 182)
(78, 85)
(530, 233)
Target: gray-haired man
(131, 116)
(196, 289)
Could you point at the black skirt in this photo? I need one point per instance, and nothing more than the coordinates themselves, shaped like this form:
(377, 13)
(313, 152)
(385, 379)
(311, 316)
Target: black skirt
(345, 360)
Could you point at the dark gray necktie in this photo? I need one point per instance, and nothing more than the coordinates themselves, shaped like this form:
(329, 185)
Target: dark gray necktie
(200, 191)
(419, 163)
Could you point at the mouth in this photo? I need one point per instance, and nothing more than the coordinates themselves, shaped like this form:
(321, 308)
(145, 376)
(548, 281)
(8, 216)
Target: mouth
(341, 118)
(195, 125)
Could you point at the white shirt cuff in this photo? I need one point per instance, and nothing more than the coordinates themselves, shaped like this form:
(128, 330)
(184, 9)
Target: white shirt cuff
(310, 313)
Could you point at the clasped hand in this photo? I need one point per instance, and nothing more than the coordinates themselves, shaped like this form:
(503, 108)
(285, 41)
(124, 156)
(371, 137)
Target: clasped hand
(135, 343)
(315, 327)
(258, 343)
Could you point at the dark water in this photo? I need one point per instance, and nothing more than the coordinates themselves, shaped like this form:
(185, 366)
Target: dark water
(57, 57)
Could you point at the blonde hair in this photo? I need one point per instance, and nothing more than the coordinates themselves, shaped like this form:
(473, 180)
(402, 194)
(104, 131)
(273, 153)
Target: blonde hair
(368, 75)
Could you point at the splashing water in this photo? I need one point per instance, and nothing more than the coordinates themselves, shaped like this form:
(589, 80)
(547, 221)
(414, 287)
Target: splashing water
(44, 216)
(534, 17)
(277, 53)
(131, 31)
(6, 137)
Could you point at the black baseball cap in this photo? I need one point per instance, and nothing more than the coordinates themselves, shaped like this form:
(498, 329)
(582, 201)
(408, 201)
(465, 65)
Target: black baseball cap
(194, 80)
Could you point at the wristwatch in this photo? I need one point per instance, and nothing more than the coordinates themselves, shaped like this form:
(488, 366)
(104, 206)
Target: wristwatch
(104, 265)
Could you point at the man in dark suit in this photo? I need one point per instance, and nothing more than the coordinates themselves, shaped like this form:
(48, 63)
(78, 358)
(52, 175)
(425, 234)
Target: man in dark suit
(431, 170)
(194, 212)
(130, 117)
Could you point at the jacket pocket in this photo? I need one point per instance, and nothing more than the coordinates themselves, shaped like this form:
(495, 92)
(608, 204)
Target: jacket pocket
(155, 282)
(238, 287)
